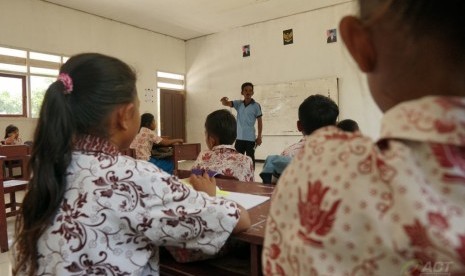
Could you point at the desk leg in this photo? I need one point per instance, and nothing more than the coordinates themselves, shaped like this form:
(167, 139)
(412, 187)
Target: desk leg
(255, 260)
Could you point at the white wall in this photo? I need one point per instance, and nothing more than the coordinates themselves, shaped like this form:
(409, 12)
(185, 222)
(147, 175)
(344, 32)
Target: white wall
(41, 26)
(216, 68)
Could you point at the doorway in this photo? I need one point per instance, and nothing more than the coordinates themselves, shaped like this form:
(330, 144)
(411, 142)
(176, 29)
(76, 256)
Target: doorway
(172, 114)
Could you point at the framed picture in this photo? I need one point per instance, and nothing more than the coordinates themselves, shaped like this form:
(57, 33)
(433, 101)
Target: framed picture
(331, 36)
(288, 37)
(245, 50)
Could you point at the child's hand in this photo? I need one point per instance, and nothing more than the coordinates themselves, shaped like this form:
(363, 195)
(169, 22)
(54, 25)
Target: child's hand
(203, 183)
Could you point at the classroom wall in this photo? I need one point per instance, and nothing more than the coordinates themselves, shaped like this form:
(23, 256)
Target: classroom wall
(215, 68)
(41, 26)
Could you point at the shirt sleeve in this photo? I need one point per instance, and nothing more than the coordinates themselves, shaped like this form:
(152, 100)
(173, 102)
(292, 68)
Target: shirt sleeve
(174, 214)
(155, 138)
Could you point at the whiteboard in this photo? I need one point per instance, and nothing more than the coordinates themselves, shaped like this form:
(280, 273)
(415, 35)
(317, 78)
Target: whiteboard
(280, 102)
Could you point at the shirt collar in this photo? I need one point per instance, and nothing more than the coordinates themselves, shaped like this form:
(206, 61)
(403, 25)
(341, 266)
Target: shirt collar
(432, 119)
(252, 101)
(89, 143)
(223, 148)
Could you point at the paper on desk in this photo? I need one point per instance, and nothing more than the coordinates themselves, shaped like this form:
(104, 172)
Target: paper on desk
(248, 201)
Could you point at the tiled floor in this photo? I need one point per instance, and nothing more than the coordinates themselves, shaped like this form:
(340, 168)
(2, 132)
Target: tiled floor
(5, 258)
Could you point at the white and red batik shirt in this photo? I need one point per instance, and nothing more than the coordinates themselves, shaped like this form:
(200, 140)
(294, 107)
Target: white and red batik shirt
(293, 149)
(225, 160)
(117, 211)
(348, 206)
(143, 143)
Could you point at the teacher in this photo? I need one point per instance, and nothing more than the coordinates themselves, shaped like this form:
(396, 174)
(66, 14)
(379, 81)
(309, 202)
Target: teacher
(248, 111)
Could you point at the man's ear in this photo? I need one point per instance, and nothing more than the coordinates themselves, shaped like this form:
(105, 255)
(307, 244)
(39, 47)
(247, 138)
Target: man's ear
(124, 116)
(358, 40)
(299, 126)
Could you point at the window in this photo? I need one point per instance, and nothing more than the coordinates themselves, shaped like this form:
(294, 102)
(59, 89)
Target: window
(39, 85)
(13, 95)
(31, 71)
(170, 81)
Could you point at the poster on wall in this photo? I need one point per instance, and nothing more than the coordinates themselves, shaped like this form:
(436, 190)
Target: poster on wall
(331, 36)
(288, 37)
(246, 51)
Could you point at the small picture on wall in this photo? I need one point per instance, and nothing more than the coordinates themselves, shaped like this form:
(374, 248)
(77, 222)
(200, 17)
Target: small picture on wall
(246, 50)
(331, 36)
(288, 37)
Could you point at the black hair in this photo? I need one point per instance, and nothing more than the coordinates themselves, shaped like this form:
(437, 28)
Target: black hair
(222, 124)
(146, 120)
(348, 125)
(99, 84)
(246, 84)
(439, 18)
(317, 111)
(10, 129)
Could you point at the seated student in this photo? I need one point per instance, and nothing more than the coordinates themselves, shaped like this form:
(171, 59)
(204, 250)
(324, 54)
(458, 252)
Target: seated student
(90, 210)
(221, 156)
(348, 125)
(12, 136)
(315, 112)
(348, 205)
(145, 139)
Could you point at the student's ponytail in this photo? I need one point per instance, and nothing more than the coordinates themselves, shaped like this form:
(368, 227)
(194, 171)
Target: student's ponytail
(51, 155)
(89, 88)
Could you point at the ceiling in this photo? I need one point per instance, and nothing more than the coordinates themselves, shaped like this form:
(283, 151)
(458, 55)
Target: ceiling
(187, 19)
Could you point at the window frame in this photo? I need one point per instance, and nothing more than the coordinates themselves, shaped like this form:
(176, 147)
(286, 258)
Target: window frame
(24, 95)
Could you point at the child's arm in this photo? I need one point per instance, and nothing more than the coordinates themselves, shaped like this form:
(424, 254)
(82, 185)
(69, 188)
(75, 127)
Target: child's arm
(244, 221)
(169, 142)
(226, 102)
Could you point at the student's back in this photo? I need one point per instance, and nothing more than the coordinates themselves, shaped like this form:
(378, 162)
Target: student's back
(352, 206)
(221, 156)
(90, 210)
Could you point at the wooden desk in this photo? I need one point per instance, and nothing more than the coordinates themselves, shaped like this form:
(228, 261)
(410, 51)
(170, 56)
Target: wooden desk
(254, 236)
(258, 214)
(188, 151)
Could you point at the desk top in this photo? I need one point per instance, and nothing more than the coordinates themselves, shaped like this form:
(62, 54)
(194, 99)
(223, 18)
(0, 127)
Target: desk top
(256, 233)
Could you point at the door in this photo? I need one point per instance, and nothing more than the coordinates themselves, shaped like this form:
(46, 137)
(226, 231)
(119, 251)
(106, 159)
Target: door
(172, 114)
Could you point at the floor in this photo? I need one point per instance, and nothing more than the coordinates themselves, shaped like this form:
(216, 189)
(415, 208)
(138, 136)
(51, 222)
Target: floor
(5, 258)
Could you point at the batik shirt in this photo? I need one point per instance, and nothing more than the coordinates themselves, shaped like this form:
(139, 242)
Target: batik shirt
(348, 206)
(143, 143)
(293, 149)
(116, 211)
(225, 160)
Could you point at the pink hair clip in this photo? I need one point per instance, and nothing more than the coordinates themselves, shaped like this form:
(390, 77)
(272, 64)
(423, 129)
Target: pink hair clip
(67, 82)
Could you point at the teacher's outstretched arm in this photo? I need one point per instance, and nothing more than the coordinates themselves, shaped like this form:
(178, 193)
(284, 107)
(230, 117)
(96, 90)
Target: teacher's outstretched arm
(226, 102)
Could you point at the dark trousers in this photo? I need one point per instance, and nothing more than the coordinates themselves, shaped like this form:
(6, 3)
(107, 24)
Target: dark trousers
(247, 147)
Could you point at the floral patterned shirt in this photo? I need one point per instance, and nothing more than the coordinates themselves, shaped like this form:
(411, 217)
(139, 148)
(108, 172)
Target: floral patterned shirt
(292, 150)
(348, 206)
(143, 143)
(116, 211)
(224, 159)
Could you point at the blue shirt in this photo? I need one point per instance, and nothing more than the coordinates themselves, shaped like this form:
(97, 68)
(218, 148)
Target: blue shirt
(246, 116)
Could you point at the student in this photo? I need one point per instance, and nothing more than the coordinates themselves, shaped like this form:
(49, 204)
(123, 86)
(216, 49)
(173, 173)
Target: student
(315, 112)
(145, 139)
(12, 136)
(91, 210)
(348, 125)
(352, 206)
(221, 157)
(248, 111)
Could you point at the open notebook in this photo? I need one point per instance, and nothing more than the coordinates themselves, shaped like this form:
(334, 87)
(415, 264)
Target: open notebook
(248, 201)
